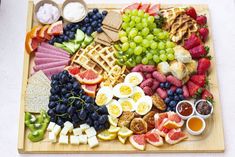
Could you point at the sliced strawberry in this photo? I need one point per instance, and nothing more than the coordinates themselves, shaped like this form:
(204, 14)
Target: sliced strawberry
(203, 65)
(198, 51)
(191, 12)
(145, 7)
(154, 9)
(192, 42)
(199, 80)
(194, 89)
(207, 95)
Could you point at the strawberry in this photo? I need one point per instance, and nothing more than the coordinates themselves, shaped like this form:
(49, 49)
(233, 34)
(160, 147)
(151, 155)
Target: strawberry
(203, 66)
(194, 89)
(198, 52)
(192, 13)
(203, 32)
(192, 42)
(207, 95)
(198, 79)
(201, 20)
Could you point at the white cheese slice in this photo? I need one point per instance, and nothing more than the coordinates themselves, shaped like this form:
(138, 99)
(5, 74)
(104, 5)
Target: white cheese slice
(50, 126)
(92, 141)
(90, 132)
(52, 137)
(69, 125)
(63, 139)
(82, 139)
(84, 127)
(56, 129)
(64, 131)
(74, 139)
(77, 131)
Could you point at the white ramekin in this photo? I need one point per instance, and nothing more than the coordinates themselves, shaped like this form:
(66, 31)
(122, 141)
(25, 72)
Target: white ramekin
(196, 132)
(182, 116)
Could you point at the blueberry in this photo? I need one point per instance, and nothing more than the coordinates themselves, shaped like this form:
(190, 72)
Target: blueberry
(167, 100)
(99, 24)
(66, 38)
(179, 91)
(181, 97)
(95, 10)
(67, 33)
(73, 29)
(172, 103)
(173, 109)
(59, 40)
(83, 29)
(91, 20)
(162, 85)
(99, 30)
(104, 12)
(90, 14)
(77, 26)
(87, 25)
(168, 108)
(94, 17)
(167, 85)
(71, 35)
(176, 98)
(51, 42)
(94, 24)
(170, 93)
(99, 15)
(69, 26)
(86, 20)
(89, 32)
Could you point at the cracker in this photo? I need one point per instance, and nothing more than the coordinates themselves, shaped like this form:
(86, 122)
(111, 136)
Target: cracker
(113, 35)
(113, 19)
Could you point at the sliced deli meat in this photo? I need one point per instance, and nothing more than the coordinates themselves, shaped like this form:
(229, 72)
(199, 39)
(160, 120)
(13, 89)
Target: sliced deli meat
(51, 51)
(46, 45)
(50, 65)
(51, 71)
(46, 60)
(45, 55)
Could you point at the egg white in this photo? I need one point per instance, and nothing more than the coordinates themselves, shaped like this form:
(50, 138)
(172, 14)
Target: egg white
(118, 94)
(131, 101)
(112, 103)
(137, 90)
(139, 78)
(108, 92)
(147, 100)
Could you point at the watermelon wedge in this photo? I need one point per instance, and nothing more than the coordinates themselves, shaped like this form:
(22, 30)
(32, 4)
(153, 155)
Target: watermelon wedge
(145, 7)
(154, 9)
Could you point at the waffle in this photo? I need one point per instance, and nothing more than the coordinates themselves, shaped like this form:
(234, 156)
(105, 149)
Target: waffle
(179, 21)
(94, 54)
(107, 54)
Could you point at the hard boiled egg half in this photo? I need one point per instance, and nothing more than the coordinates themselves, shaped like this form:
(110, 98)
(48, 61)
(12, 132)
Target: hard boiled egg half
(104, 96)
(144, 105)
(137, 93)
(127, 104)
(123, 90)
(134, 78)
(114, 108)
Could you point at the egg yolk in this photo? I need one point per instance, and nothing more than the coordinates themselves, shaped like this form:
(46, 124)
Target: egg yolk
(126, 106)
(134, 80)
(114, 109)
(136, 96)
(142, 107)
(125, 90)
(101, 99)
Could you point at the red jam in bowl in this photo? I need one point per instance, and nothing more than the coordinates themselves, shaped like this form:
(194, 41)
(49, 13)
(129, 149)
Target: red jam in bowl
(185, 109)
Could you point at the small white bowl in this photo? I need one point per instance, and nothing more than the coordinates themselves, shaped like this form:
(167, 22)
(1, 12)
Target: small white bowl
(201, 115)
(182, 116)
(196, 132)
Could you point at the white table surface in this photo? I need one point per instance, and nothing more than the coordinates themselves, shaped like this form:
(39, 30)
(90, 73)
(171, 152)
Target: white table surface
(12, 33)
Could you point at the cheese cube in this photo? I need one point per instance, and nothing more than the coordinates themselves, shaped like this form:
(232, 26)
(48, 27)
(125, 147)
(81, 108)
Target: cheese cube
(50, 126)
(56, 129)
(64, 131)
(77, 131)
(74, 139)
(63, 139)
(90, 132)
(82, 139)
(84, 127)
(92, 141)
(52, 137)
(69, 125)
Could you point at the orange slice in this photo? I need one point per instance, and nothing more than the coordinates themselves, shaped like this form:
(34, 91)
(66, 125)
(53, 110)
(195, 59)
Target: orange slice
(43, 33)
(30, 43)
(55, 28)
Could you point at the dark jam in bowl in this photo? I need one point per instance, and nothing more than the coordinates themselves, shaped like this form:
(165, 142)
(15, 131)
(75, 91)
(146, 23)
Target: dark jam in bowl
(203, 108)
(185, 109)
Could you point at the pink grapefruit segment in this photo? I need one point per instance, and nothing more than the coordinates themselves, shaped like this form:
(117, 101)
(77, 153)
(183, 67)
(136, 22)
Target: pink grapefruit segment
(153, 138)
(90, 90)
(55, 28)
(89, 77)
(175, 136)
(138, 141)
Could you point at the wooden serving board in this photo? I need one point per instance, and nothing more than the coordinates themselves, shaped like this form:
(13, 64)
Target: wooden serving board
(212, 140)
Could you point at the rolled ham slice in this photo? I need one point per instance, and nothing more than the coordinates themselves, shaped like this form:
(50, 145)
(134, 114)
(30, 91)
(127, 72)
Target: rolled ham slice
(51, 71)
(39, 61)
(46, 45)
(51, 51)
(50, 65)
(45, 55)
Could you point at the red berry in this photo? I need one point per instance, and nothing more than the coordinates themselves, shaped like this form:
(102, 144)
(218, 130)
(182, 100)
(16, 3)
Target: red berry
(203, 66)
(199, 79)
(207, 95)
(203, 32)
(192, 42)
(198, 51)
(192, 13)
(193, 89)
(201, 20)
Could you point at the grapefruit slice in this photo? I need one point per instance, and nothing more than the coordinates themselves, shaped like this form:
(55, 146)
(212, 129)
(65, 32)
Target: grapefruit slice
(55, 28)
(153, 138)
(35, 31)
(43, 33)
(31, 44)
(175, 136)
(154, 9)
(89, 77)
(73, 70)
(175, 120)
(138, 141)
(90, 90)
